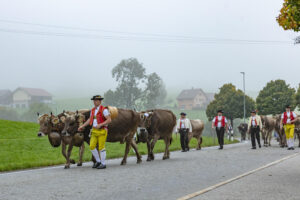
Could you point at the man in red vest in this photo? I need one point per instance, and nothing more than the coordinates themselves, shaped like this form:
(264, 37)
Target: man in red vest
(288, 119)
(99, 119)
(220, 123)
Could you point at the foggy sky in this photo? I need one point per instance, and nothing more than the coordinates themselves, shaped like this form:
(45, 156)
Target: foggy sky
(80, 66)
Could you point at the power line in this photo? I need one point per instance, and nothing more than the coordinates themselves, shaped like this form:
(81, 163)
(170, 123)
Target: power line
(132, 36)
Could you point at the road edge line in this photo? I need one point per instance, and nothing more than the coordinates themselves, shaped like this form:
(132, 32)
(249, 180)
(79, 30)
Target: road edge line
(195, 194)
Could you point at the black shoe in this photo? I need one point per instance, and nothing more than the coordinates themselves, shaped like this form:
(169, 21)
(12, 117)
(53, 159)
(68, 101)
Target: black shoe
(289, 148)
(259, 146)
(253, 148)
(101, 167)
(220, 148)
(96, 164)
(292, 148)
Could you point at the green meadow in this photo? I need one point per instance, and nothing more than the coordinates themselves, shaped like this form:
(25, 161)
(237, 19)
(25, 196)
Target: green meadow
(20, 148)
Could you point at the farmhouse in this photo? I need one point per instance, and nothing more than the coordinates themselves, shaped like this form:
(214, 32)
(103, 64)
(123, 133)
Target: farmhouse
(194, 99)
(23, 97)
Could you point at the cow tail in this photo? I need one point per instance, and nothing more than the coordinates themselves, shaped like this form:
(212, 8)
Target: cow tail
(201, 140)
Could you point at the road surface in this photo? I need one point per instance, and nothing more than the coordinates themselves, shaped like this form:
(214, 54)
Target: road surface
(183, 174)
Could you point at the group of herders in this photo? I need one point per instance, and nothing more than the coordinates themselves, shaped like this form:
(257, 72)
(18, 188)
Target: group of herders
(100, 118)
(220, 124)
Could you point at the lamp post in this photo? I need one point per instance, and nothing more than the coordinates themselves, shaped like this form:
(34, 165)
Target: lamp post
(244, 96)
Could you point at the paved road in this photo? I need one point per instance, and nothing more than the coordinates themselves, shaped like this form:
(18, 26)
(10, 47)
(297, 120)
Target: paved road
(183, 174)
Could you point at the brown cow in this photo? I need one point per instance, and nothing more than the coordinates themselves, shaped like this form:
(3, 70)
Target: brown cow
(269, 124)
(280, 131)
(53, 126)
(122, 129)
(197, 127)
(297, 129)
(159, 124)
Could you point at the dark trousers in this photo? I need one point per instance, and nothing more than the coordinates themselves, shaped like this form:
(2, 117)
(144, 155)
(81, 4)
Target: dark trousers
(184, 141)
(220, 133)
(255, 134)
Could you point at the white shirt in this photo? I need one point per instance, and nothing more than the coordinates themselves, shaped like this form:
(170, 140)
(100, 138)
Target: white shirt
(289, 116)
(105, 113)
(185, 123)
(182, 123)
(219, 121)
(253, 121)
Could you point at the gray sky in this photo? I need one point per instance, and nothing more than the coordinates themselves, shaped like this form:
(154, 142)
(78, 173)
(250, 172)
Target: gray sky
(82, 66)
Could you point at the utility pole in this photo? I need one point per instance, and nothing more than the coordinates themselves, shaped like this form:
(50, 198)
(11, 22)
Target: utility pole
(244, 96)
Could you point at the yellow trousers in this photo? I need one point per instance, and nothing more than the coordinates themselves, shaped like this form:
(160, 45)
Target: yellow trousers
(289, 131)
(98, 136)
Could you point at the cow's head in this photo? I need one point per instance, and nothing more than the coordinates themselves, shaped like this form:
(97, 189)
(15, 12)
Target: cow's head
(72, 122)
(45, 124)
(144, 124)
(145, 119)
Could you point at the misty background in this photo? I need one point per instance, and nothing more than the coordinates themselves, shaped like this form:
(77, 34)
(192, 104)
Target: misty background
(80, 66)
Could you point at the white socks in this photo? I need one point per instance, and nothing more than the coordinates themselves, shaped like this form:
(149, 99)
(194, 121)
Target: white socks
(96, 155)
(290, 142)
(103, 156)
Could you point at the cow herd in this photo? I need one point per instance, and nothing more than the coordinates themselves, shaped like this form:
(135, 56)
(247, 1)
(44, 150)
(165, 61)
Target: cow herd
(148, 127)
(271, 124)
(153, 125)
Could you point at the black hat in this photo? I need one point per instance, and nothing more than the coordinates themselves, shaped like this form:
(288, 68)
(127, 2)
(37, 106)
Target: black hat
(183, 113)
(97, 97)
(220, 111)
(287, 106)
(253, 111)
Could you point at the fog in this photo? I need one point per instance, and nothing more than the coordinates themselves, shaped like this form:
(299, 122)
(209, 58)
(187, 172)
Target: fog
(81, 66)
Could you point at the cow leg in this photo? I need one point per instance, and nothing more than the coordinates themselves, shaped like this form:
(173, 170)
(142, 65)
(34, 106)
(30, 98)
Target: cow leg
(127, 148)
(67, 166)
(270, 137)
(138, 156)
(190, 136)
(81, 151)
(198, 142)
(156, 137)
(167, 143)
(148, 148)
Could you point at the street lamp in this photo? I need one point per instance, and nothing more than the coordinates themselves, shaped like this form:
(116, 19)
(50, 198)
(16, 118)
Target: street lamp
(244, 96)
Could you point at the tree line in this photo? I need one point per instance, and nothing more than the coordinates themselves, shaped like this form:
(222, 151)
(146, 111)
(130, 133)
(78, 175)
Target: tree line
(271, 100)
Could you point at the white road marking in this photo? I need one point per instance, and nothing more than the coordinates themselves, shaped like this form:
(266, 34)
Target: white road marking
(195, 194)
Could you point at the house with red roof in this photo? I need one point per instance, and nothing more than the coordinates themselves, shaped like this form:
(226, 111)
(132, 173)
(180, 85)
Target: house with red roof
(190, 99)
(22, 97)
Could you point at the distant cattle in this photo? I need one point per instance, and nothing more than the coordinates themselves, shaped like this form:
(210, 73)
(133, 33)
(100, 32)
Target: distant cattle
(297, 129)
(197, 128)
(243, 128)
(280, 131)
(157, 124)
(269, 124)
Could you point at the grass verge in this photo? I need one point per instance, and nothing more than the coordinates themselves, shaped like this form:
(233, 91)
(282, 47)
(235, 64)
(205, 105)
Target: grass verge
(20, 148)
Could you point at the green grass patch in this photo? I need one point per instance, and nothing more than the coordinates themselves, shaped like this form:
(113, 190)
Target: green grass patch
(20, 148)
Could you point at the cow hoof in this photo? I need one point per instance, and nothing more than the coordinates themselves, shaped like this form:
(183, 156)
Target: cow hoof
(67, 166)
(166, 157)
(79, 164)
(123, 162)
(149, 159)
(72, 161)
(198, 149)
(139, 161)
